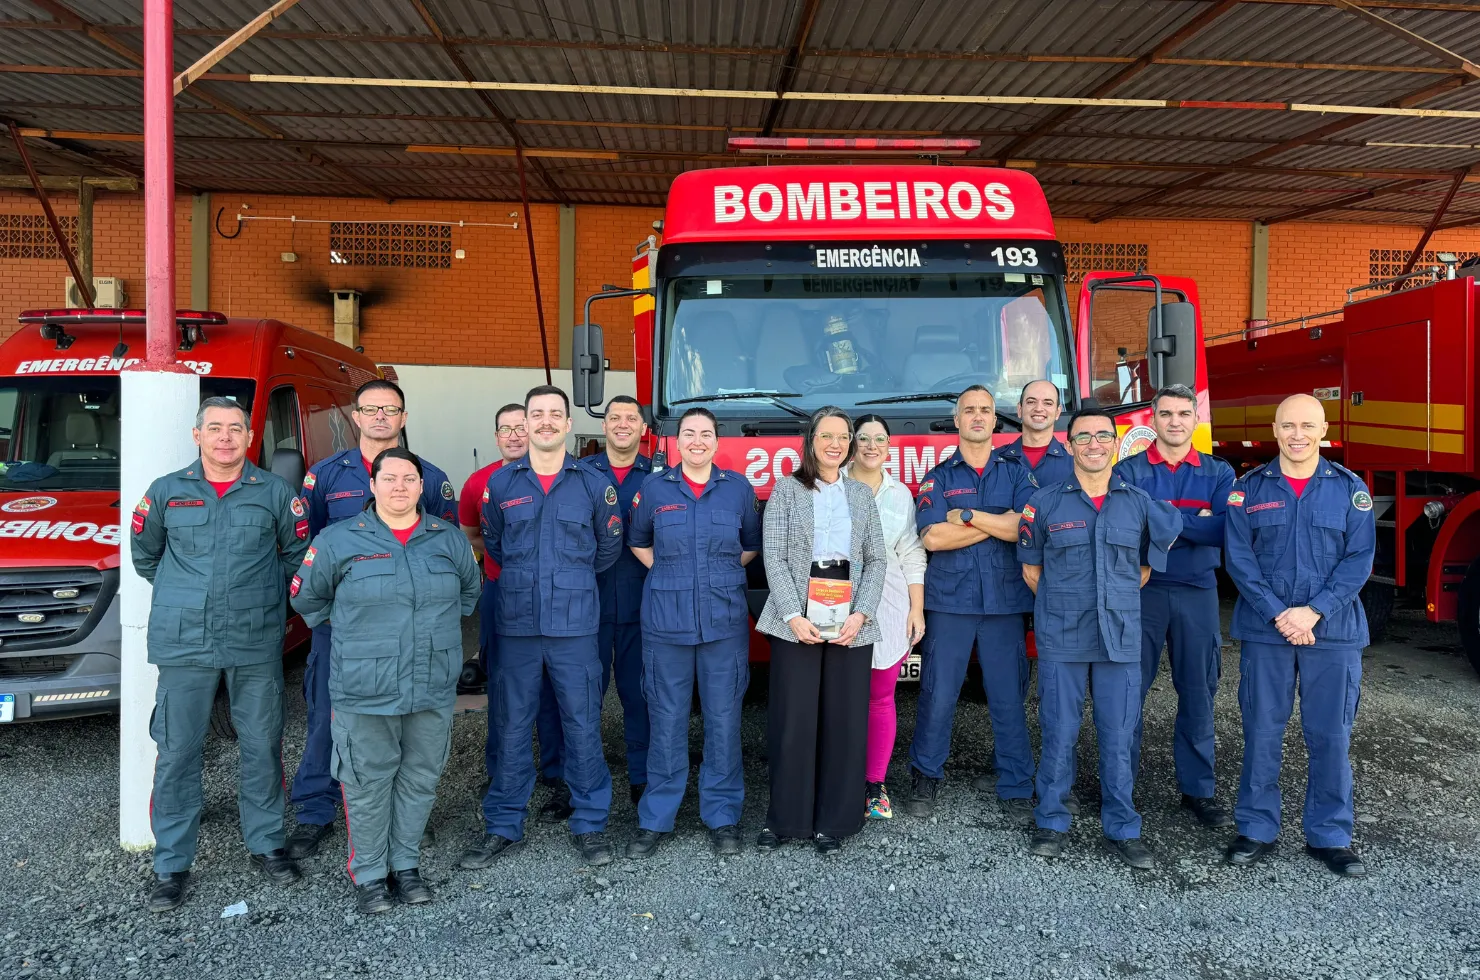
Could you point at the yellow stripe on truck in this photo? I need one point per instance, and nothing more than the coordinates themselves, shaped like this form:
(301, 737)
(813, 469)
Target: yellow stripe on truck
(1450, 444)
(1414, 415)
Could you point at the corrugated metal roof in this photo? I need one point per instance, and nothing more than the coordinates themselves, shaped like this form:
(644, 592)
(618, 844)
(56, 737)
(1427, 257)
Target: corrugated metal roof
(1180, 162)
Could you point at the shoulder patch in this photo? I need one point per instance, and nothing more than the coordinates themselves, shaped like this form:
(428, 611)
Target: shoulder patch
(140, 513)
(637, 500)
(1028, 513)
(1235, 498)
(447, 492)
(1362, 500)
(485, 495)
(309, 481)
(611, 495)
(296, 585)
(927, 486)
(308, 557)
(614, 525)
(923, 502)
(297, 507)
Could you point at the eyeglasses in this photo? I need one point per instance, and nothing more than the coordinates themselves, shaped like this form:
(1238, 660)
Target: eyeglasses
(370, 411)
(1083, 438)
(827, 438)
(505, 431)
(881, 440)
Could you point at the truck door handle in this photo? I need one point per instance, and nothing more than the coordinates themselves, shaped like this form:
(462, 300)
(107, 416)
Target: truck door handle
(1356, 398)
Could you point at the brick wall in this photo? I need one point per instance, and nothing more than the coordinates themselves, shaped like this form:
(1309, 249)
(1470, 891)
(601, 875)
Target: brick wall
(481, 310)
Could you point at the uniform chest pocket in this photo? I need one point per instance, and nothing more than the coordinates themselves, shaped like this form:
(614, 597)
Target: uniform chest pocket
(1268, 529)
(344, 503)
(1328, 534)
(441, 580)
(520, 534)
(1123, 547)
(1067, 550)
(671, 535)
(370, 580)
(724, 534)
(186, 528)
(251, 530)
(573, 525)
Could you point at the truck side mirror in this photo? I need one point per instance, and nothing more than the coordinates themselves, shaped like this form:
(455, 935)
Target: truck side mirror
(1173, 348)
(288, 464)
(587, 366)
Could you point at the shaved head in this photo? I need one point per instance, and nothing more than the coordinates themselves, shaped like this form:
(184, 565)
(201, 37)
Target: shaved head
(1050, 390)
(1299, 427)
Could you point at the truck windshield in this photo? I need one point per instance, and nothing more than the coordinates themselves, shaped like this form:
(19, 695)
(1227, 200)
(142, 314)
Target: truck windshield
(62, 433)
(843, 340)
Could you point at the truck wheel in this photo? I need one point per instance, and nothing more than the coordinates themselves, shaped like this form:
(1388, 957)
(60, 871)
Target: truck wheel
(1377, 603)
(220, 725)
(1469, 615)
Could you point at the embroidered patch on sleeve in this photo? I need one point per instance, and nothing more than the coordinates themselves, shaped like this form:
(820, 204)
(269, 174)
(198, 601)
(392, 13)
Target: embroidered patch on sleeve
(296, 586)
(614, 525)
(927, 486)
(637, 500)
(308, 557)
(301, 529)
(1235, 498)
(611, 496)
(297, 507)
(923, 503)
(446, 490)
(1362, 500)
(1028, 513)
(308, 482)
(485, 495)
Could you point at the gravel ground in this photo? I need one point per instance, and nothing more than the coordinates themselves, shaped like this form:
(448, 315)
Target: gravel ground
(955, 896)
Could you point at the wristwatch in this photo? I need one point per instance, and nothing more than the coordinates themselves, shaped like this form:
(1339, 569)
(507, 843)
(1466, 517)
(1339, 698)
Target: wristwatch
(966, 516)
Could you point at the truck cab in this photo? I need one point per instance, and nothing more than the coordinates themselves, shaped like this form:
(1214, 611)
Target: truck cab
(60, 524)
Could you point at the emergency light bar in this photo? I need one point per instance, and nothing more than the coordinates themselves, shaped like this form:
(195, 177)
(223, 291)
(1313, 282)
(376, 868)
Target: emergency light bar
(848, 147)
(196, 317)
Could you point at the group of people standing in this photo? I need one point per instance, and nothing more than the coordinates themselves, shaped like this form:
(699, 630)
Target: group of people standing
(600, 568)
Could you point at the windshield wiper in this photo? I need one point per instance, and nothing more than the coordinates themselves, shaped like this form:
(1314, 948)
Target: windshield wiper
(774, 397)
(926, 396)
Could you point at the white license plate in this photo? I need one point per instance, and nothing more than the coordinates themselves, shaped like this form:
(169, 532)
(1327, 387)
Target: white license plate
(7, 708)
(909, 668)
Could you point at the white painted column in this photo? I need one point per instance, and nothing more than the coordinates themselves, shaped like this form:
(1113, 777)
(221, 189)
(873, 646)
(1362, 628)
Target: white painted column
(158, 409)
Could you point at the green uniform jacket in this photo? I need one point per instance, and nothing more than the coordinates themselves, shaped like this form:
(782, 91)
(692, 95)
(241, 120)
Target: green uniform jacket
(220, 568)
(397, 611)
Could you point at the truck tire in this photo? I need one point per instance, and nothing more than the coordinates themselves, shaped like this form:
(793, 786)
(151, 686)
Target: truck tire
(220, 724)
(1469, 615)
(1377, 603)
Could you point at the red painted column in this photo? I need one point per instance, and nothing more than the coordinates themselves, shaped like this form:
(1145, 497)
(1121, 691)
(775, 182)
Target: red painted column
(159, 182)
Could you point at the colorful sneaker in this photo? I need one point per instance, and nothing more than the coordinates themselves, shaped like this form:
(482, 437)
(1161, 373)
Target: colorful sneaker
(878, 802)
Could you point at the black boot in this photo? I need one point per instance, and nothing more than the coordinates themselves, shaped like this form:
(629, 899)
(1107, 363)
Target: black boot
(1245, 851)
(645, 844)
(725, 840)
(1208, 811)
(409, 887)
(923, 791)
(169, 891)
(595, 849)
(1132, 852)
(373, 898)
(1340, 860)
(280, 868)
(482, 854)
(305, 839)
(1047, 843)
(557, 808)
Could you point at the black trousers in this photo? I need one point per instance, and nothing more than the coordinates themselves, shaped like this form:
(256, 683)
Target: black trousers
(818, 738)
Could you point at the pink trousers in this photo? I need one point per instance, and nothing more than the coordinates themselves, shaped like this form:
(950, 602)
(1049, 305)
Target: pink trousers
(882, 722)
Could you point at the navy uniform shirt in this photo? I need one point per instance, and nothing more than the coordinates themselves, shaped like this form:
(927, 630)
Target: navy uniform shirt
(1054, 466)
(550, 547)
(621, 585)
(338, 487)
(984, 578)
(1088, 606)
(397, 611)
(1315, 550)
(1197, 483)
(695, 592)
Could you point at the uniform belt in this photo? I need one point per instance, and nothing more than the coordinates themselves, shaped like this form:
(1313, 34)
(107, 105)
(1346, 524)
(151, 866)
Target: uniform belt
(830, 568)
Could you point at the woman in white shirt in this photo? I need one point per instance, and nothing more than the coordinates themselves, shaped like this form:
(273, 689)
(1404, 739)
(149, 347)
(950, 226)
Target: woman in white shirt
(901, 613)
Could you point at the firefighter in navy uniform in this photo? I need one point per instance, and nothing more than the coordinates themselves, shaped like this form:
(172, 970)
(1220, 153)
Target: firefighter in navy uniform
(1179, 607)
(335, 489)
(619, 641)
(218, 540)
(966, 513)
(1039, 409)
(397, 583)
(1300, 543)
(553, 526)
(697, 526)
(1085, 547)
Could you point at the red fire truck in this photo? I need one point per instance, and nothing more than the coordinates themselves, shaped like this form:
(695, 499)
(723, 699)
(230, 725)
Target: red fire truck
(1396, 371)
(777, 290)
(59, 504)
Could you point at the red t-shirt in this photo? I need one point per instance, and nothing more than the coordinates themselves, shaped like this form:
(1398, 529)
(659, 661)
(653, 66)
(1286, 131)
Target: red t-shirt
(1298, 485)
(698, 488)
(404, 534)
(221, 488)
(981, 470)
(620, 473)
(546, 481)
(471, 502)
(369, 463)
(1097, 501)
(1034, 454)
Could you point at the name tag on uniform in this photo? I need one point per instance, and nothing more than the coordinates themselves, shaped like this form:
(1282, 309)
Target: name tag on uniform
(829, 603)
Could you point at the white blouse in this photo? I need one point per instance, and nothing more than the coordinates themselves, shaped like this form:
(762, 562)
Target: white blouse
(907, 559)
(832, 524)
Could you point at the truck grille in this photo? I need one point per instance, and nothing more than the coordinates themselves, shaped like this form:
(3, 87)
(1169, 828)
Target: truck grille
(34, 666)
(33, 616)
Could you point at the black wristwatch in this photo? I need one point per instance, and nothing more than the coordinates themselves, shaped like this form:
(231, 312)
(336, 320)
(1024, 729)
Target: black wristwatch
(966, 516)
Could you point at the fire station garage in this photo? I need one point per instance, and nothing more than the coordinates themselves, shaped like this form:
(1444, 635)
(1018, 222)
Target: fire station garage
(768, 207)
